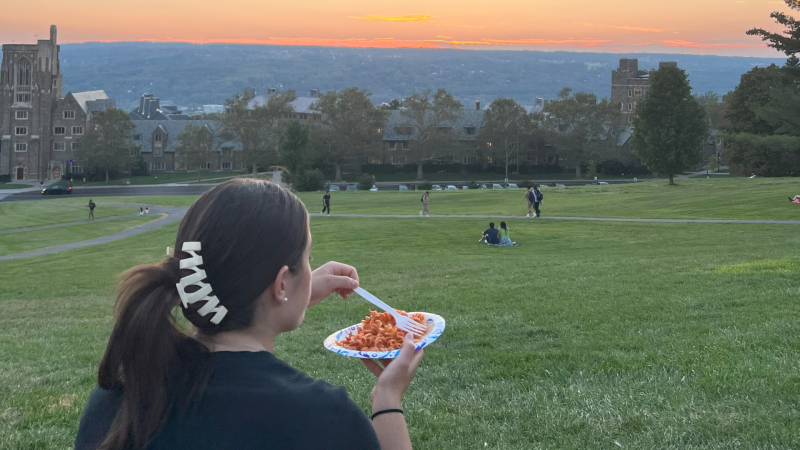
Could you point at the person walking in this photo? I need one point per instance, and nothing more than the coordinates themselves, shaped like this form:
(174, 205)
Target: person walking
(222, 385)
(91, 209)
(141, 211)
(84, 181)
(530, 199)
(425, 197)
(537, 200)
(326, 202)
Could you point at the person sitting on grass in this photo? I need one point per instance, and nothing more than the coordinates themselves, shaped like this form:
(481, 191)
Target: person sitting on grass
(505, 239)
(796, 199)
(491, 236)
(213, 380)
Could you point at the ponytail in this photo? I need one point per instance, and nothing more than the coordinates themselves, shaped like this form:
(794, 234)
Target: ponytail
(149, 360)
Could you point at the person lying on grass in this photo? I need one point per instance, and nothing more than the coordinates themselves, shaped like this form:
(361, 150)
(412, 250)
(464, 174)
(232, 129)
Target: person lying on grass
(796, 199)
(240, 276)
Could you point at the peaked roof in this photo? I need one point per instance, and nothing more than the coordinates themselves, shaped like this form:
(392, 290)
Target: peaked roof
(466, 118)
(173, 128)
(300, 104)
(89, 96)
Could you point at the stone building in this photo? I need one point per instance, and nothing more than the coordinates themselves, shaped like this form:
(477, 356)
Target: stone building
(158, 141)
(629, 84)
(40, 129)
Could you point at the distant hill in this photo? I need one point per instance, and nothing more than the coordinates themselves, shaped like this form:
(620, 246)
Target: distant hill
(192, 75)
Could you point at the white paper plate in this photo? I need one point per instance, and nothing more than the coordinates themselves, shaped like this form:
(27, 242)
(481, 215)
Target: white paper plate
(435, 329)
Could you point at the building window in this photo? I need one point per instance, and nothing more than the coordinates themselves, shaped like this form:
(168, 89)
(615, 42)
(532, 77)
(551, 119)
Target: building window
(60, 130)
(470, 160)
(135, 152)
(303, 116)
(59, 146)
(469, 130)
(630, 93)
(226, 152)
(637, 91)
(158, 138)
(21, 147)
(55, 82)
(23, 97)
(622, 106)
(137, 137)
(158, 149)
(533, 159)
(158, 166)
(77, 130)
(551, 160)
(399, 159)
(76, 145)
(69, 114)
(226, 165)
(630, 106)
(404, 145)
(205, 166)
(630, 119)
(22, 115)
(21, 131)
(76, 168)
(23, 72)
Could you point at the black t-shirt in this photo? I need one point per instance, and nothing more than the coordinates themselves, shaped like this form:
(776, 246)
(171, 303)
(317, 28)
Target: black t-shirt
(91, 205)
(326, 198)
(492, 236)
(252, 401)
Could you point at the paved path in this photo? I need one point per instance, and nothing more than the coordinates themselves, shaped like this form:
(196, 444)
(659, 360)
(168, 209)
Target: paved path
(590, 219)
(172, 214)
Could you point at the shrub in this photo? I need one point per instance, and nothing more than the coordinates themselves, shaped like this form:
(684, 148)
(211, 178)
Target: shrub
(612, 167)
(473, 185)
(365, 182)
(526, 184)
(5, 178)
(425, 186)
(139, 167)
(309, 180)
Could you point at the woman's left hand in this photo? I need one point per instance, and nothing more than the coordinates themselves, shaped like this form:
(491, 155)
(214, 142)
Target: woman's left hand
(332, 277)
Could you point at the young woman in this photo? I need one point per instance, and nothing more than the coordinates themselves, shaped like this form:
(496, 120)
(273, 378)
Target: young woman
(425, 197)
(240, 276)
(326, 202)
(505, 239)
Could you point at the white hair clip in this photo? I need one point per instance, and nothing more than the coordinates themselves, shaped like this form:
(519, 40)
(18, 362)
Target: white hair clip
(196, 278)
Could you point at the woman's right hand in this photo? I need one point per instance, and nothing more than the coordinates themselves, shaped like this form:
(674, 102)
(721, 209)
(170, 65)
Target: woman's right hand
(394, 378)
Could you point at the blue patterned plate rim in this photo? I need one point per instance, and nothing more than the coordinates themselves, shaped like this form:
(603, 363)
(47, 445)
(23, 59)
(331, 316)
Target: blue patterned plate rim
(435, 329)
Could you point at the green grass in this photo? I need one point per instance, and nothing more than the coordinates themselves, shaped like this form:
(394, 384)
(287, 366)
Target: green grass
(437, 177)
(37, 213)
(727, 198)
(164, 178)
(14, 186)
(650, 335)
(25, 241)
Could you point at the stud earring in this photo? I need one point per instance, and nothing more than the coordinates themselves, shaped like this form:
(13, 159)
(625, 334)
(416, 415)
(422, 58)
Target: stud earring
(286, 299)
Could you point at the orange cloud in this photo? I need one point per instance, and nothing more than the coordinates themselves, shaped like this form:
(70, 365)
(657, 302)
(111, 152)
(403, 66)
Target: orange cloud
(639, 29)
(691, 44)
(549, 42)
(406, 18)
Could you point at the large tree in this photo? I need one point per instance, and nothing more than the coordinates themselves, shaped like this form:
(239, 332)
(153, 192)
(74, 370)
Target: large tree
(430, 119)
(787, 41)
(577, 125)
(504, 123)
(195, 144)
(349, 126)
(669, 125)
(294, 153)
(107, 144)
(257, 125)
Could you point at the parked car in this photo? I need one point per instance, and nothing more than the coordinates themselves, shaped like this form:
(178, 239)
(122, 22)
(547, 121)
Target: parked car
(497, 186)
(512, 186)
(602, 183)
(352, 187)
(464, 188)
(373, 188)
(560, 185)
(333, 187)
(402, 187)
(57, 190)
(436, 187)
(483, 186)
(451, 188)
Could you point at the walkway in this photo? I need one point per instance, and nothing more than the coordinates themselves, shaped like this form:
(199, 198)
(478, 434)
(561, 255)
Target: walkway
(171, 214)
(590, 219)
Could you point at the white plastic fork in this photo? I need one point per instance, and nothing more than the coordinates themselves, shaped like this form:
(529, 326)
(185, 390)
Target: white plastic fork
(404, 323)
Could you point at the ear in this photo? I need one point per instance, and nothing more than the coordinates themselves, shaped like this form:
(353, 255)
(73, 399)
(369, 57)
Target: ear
(278, 287)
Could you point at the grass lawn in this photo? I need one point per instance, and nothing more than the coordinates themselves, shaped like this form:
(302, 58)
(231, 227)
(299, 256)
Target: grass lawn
(24, 241)
(720, 198)
(13, 186)
(163, 178)
(436, 176)
(37, 213)
(588, 334)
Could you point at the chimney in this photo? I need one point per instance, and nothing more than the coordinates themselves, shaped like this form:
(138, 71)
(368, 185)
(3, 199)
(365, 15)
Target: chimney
(539, 101)
(315, 93)
(272, 91)
(250, 92)
(54, 35)
(477, 105)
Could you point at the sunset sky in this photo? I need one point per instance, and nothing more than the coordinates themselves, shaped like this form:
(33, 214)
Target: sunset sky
(673, 26)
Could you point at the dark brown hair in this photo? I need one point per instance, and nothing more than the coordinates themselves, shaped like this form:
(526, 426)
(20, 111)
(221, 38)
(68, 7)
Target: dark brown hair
(249, 230)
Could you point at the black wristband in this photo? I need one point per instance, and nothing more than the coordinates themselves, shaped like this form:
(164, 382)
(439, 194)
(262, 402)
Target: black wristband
(384, 411)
